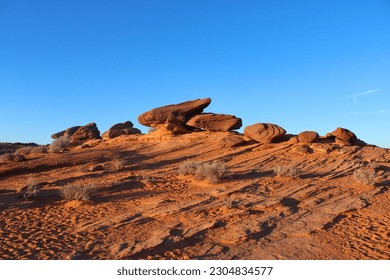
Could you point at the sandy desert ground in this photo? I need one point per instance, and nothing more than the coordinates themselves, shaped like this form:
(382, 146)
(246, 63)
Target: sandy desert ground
(144, 209)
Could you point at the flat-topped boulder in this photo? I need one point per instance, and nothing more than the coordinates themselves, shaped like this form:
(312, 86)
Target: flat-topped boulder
(215, 122)
(308, 136)
(174, 117)
(79, 134)
(125, 128)
(264, 133)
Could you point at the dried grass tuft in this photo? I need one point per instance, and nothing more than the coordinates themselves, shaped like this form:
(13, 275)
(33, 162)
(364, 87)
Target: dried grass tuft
(60, 144)
(365, 176)
(212, 172)
(76, 192)
(286, 171)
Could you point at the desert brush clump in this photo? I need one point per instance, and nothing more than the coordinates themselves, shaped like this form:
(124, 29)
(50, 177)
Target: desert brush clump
(31, 190)
(8, 157)
(30, 150)
(76, 192)
(188, 168)
(119, 164)
(5, 158)
(60, 144)
(212, 172)
(286, 171)
(365, 176)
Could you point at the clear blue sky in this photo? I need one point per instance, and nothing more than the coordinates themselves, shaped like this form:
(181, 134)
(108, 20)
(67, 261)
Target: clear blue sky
(302, 64)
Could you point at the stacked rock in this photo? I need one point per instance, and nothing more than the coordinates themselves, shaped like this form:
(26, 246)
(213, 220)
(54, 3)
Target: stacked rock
(187, 117)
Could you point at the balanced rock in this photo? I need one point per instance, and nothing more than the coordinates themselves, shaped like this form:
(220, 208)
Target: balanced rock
(215, 122)
(344, 136)
(264, 132)
(174, 117)
(308, 136)
(119, 129)
(79, 134)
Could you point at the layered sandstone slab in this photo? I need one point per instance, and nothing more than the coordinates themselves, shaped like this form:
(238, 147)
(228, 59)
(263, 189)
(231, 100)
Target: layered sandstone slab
(215, 122)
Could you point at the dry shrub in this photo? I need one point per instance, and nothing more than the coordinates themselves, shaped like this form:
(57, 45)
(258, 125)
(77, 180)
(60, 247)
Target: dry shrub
(365, 176)
(119, 164)
(188, 168)
(286, 171)
(31, 190)
(212, 172)
(76, 192)
(60, 144)
(38, 149)
(5, 158)
(30, 150)
(23, 151)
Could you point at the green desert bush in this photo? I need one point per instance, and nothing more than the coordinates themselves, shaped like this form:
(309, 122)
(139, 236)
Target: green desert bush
(76, 192)
(286, 171)
(365, 176)
(60, 144)
(212, 172)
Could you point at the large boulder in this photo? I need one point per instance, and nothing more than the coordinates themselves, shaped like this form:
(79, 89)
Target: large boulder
(308, 136)
(344, 136)
(264, 132)
(215, 122)
(174, 117)
(68, 132)
(79, 134)
(119, 129)
(85, 133)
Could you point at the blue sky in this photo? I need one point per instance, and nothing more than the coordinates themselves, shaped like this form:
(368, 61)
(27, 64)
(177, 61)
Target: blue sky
(302, 64)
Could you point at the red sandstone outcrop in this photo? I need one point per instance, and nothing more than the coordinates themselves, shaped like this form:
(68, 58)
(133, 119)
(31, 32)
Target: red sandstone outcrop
(308, 136)
(119, 129)
(215, 122)
(174, 117)
(79, 134)
(264, 132)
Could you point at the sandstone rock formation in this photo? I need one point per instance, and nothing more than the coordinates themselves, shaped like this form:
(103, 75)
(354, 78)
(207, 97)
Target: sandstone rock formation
(68, 132)
(293, 140)
(174, 117)
(79, 134)
(308, 136)
(232, 141)
(344, 136)
(264, 132)
(118, 129)
(215, 122)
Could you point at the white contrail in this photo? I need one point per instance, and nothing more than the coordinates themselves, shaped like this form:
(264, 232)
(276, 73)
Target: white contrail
(371, 91)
